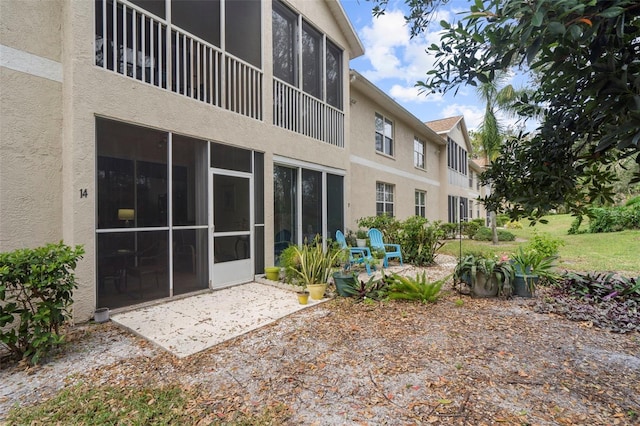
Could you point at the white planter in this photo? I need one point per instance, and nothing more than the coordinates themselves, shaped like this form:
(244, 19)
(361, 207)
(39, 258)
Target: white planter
(361, 242)
(101, 315)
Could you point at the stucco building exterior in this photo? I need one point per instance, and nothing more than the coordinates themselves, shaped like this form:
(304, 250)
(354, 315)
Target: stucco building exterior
(396, 160)
(461, 187)
(183, 144)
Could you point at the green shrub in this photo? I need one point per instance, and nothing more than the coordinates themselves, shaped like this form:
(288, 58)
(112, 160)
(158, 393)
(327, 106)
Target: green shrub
(450, 230)
(610, 219)
(388, 225)
(575, 226)
(484, 234)
(544, 244)
(606, 220)
(504, 235)
(502, 219)
(289, 261)
(514, 224)
(470, 228)
(36, 291)
(631, 216)
(480, 221)
(635, 201)
(420, 240)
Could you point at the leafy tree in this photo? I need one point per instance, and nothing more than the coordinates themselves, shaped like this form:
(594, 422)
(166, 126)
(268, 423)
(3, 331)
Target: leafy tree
(585, 58)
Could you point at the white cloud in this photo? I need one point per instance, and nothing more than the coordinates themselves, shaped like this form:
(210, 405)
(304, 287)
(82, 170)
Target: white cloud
(381, 41)
(393, 54)
(412, 94)
(472, 114)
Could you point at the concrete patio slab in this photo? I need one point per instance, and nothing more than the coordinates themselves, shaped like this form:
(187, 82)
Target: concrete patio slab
(193, 324)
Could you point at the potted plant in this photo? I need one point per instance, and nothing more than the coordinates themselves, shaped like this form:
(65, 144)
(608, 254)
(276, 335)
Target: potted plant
(378, 255)
(345, 278)
(361, 238)
(529, 266)
(486, 276)
(350, 238)
(314, 266)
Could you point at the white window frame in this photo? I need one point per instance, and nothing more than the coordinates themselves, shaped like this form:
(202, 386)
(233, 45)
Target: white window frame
(387, 133)
(421, 203)
(419, 157)
(384, 197)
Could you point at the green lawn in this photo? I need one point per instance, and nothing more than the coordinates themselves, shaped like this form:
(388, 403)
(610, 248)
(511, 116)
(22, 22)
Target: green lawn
(614, 251)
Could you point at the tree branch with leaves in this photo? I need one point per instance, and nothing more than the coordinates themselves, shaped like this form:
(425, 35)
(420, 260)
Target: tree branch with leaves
(584, 55)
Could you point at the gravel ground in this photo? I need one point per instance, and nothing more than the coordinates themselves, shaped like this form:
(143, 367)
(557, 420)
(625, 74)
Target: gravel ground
(459, 361)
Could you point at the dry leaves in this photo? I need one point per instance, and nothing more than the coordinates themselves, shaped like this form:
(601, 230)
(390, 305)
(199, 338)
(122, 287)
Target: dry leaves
(397, 363)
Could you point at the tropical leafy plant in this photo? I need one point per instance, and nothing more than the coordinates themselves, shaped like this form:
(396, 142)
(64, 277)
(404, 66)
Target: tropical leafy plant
(418, 288)
(374, 288)
(606, 300)
(470, 265)
(532, 262)
(313, 263)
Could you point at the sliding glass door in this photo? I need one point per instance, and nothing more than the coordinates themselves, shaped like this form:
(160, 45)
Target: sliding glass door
(308, 203)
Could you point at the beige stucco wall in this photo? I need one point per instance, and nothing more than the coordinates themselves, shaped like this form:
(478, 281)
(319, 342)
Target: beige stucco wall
(32, 26)
(91, 91)
(30, 123)
(454, 183)
(368, 166)
(30, 160)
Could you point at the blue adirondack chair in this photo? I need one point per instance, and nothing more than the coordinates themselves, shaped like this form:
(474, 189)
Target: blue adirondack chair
(359, 255)
(390, 250)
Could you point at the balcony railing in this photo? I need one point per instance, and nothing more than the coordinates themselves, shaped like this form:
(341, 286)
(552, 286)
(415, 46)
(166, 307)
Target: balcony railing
(139, 45)
(296, 111)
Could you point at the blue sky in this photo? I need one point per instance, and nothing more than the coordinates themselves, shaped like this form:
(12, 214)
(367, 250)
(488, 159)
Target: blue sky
(394, 62)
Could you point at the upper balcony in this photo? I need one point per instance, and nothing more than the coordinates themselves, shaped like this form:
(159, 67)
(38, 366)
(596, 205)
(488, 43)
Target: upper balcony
(213, 54)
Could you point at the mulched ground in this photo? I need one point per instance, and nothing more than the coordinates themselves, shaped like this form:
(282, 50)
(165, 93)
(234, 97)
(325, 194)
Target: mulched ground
(459, 361)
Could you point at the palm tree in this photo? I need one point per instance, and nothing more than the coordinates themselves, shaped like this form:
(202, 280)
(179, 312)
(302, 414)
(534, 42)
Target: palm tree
(491, 131)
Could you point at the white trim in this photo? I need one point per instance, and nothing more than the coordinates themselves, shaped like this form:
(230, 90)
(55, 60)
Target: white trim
(372, 164)
(285, 161)
(19, 60)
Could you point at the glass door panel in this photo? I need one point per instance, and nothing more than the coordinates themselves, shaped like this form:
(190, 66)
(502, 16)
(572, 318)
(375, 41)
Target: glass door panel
(285, 208)
(311, 205)
(232, 261)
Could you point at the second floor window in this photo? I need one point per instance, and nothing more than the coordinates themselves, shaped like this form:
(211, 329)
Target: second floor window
(457, 157)
(418, 153)
(421, 203)
(384, 199)
(384, 135)
(284, 42)
(304, 58)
